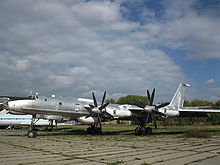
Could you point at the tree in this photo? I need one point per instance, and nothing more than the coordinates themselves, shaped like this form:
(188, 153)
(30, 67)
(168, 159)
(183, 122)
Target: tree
(217, 103)
(197, 102)
(111, 101)
(187, 103)
(133, 100)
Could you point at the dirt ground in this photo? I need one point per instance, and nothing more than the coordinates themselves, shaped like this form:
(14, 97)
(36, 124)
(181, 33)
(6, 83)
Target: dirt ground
(76, 147)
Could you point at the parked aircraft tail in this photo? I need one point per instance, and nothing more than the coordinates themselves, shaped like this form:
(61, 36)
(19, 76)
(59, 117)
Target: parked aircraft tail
(178, 98)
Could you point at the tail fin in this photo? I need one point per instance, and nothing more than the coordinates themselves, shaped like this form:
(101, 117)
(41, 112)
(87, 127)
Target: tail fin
(178, 98)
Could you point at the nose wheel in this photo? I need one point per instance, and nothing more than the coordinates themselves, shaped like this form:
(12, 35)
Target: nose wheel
(32, 134)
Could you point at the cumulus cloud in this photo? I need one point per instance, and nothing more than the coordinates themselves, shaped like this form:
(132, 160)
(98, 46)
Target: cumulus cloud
(195, 31)
(73, 48)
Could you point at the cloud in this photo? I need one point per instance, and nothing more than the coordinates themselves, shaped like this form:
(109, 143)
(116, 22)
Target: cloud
(193, 30)
(210, 81)
(72, 48)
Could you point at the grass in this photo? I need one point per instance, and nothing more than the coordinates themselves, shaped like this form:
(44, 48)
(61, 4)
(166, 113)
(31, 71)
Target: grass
(137, 159)
(196, 134)
(145, 164)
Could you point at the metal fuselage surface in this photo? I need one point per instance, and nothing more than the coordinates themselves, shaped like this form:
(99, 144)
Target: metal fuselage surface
(48, 106)
(73, 110)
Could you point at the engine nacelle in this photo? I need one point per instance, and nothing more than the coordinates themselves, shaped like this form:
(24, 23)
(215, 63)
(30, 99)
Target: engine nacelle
(95, 110)
(88, 120)
(55, 117)
(172, 113)
(16, 113)
(149, 108)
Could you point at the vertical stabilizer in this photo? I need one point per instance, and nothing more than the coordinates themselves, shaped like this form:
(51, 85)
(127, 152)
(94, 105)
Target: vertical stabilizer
(178, 98)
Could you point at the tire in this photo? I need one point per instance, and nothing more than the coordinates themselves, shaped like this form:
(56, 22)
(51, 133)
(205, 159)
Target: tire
(144, 131)
(138, 131)
(89, 130)
(32, 134)
(98, 131)
(149, 131)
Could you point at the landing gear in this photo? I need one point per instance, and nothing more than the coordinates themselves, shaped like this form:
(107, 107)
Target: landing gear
(93, 130)
(143, 131)
(96, 128)
(32, 133)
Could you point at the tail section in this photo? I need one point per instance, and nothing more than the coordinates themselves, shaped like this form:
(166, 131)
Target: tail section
(178, 98)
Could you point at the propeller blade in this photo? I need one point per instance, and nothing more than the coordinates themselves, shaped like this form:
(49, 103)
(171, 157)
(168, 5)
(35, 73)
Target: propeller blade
(99, 121)
(103, 106)
(152, 97)
(138, 103)
(162, 105)
(154, 119)
(148, 96)
(109, 115)
(158, 113)
(91, 106)
(103, 98)
(88, 116)
(94, 99)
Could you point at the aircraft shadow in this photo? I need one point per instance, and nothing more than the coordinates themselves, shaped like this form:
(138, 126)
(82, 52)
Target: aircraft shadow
(105, 133)
(83, 132)
(68, 131)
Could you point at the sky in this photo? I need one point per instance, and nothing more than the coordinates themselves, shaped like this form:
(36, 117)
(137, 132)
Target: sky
(73, 47)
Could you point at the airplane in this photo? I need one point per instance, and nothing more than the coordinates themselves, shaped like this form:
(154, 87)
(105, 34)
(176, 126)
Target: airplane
(9, 121)
(84, 111)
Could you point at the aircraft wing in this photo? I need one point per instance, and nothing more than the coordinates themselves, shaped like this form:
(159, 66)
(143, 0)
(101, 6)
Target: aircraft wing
(200, 110)
(13, 98)
(189, 112)
(135, 109)
(29, 110)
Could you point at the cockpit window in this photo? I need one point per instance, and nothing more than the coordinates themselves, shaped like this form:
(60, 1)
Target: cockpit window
(32, 97)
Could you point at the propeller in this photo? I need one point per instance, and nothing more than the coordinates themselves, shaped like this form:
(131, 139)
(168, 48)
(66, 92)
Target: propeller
(154, 110)
(151, 109)
(95, 109)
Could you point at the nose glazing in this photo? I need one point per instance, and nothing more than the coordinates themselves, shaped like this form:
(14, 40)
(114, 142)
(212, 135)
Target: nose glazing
(5, 105)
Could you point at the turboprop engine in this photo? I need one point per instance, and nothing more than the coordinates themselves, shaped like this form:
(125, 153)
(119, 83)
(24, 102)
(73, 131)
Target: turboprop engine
(55, 117)
(16, 113)
(87, 120)
(172, 113)
(149, 108)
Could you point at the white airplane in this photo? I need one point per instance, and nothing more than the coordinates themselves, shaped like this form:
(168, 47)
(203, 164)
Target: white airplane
(9, 120)
(94, 114)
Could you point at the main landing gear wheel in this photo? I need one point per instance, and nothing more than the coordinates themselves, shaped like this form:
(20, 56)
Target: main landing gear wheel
(98, 131)
(32, 134)
(93, 130)
(148, 131)
(143, 131)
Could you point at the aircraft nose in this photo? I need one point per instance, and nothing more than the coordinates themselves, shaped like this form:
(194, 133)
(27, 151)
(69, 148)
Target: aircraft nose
(5, 105)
